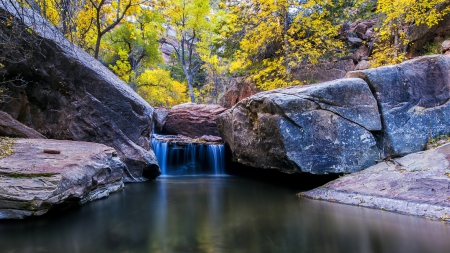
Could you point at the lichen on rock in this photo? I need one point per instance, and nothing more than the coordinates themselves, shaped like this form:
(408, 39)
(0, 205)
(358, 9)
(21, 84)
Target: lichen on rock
(6, 146)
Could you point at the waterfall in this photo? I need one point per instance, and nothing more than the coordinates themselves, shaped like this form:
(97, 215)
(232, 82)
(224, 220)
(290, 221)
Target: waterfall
(215, 154)
(161, 149)
(185, 158)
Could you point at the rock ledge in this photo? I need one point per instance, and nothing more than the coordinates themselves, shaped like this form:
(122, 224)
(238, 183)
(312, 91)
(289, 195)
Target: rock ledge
(417, 184)
(36, 178)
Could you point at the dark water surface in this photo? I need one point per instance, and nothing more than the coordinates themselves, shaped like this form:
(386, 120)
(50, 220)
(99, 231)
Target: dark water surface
(221, 214)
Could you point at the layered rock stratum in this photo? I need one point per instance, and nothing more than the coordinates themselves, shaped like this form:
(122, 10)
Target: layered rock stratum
(43, 174)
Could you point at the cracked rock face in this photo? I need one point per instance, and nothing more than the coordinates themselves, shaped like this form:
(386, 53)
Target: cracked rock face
(320, 129)
(72, 96)
(413, 101)
(41, 174)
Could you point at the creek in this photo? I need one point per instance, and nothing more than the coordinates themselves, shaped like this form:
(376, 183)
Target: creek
(221, 214)
(216, 213)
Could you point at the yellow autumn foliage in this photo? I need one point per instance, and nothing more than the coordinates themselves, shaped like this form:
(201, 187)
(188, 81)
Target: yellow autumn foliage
(396, 17)
(158, 88)
(122, 67)
(280, 35)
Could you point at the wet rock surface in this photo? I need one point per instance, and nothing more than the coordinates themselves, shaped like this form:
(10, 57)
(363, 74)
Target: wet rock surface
(320, 129)
(184, 140)
(417, 184)
(71, 96)
(413, 101)
(192, 120)
(13, 128)
(42, 174)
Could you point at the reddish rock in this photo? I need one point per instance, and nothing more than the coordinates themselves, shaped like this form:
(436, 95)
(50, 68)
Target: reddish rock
(361, 28)
(13, 128)
(361, 52)
(32, 182)
(362, 65)
(417, 184)
(193, 120)
(238, 89)
(362, 25)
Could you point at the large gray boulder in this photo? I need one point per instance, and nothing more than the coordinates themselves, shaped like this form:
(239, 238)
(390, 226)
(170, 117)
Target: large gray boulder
(413, 102)
(42, 174)
(71, 96)
(320, 129)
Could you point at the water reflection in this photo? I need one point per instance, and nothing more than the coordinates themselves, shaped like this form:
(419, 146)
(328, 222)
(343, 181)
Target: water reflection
(221, 214)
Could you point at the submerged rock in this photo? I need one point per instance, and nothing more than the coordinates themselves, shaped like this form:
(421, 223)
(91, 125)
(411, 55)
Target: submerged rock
(13, 128)
(417, 184)
(413, 101)
(192, 120)
(72, 96)
(320, 129)
(42, 174)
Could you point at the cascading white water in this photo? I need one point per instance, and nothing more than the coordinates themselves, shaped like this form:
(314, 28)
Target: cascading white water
(216, 154)
(161, 150)
(188, 158)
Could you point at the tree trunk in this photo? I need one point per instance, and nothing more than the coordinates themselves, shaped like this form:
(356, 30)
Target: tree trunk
(191, 87)
(97, 46)
(287, 50)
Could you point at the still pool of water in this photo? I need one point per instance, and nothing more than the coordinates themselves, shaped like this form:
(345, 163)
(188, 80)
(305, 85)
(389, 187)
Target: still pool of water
(221, 214)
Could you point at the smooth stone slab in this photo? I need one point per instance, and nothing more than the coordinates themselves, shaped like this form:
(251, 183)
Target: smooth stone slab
(42, 174)
(417, 184)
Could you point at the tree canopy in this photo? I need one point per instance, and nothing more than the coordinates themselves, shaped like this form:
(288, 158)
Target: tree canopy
(173, 51)
(396, 17)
